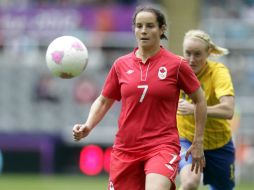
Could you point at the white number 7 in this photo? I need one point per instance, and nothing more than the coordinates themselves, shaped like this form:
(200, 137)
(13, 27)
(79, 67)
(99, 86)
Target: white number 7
(173, 158)
(145, 87)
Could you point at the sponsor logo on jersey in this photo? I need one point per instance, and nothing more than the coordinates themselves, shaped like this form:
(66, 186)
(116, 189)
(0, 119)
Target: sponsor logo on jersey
(162, 73)
(130, 72)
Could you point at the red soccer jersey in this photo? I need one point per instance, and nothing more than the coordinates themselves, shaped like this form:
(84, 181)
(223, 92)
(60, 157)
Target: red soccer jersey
(149, 94)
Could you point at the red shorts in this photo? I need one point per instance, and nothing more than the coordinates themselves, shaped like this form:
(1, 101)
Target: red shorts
(127, 171)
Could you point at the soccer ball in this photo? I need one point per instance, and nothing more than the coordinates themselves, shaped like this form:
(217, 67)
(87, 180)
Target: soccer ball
(66, 57)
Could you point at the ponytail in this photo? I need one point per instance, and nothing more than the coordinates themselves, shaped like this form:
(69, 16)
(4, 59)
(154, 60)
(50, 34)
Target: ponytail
(213, 48)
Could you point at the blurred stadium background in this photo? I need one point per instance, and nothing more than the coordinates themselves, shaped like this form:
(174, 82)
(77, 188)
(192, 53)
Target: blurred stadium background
(37, 111)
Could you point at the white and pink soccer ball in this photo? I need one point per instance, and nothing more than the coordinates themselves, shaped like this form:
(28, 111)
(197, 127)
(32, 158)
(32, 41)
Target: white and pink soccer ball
(66, 57)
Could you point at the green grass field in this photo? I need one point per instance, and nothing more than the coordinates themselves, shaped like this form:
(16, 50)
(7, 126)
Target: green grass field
(55, 182)
(66, 182)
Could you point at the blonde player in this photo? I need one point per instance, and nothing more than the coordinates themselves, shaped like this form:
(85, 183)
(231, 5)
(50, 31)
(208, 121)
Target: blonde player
(216, 82)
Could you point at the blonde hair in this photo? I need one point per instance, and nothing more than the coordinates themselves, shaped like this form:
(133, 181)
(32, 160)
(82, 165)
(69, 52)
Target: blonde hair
(214, 49)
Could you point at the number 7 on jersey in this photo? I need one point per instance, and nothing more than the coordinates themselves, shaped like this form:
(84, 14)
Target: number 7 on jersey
(145, 88)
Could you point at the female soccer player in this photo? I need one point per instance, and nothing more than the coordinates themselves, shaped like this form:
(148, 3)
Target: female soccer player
(216, 82)
(148, 80)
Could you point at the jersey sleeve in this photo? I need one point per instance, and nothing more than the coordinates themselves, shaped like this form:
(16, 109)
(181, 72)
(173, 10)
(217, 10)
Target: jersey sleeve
(222, 82)
(111, 88)
(186, 78)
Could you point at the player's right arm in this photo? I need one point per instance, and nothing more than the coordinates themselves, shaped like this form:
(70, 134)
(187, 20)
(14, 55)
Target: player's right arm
(98, 109)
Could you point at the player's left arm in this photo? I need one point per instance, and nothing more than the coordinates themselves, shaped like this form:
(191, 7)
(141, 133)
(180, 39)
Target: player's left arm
(196, 149)
(224, 92)
(224, 109)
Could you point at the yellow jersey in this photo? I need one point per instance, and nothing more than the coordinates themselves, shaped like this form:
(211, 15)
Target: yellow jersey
(216, 82)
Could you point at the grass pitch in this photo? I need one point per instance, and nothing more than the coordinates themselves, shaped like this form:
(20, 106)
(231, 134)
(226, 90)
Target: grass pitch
(54, 182)
(67, 182)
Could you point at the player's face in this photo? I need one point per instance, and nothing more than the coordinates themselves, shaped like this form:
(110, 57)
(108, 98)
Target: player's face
(147, 30)
(196, 52)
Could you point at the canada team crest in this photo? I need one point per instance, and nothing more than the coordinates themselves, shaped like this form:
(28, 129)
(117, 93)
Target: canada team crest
(162, 73)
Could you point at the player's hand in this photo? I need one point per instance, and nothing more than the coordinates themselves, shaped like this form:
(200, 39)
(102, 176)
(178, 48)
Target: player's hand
(80, 131)
(198, 158)
(185, 108)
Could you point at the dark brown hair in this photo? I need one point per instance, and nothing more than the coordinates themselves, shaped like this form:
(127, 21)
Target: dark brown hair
(159, 17)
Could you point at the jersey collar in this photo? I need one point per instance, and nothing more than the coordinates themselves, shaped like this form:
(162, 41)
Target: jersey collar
(154, 57)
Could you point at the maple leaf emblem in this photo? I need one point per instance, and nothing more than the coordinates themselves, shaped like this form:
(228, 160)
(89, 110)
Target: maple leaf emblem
(162, 70)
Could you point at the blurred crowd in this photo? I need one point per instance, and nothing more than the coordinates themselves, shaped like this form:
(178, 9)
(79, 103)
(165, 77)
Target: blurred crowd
(29, 3)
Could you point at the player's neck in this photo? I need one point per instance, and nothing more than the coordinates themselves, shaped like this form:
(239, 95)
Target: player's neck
(145, 53)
